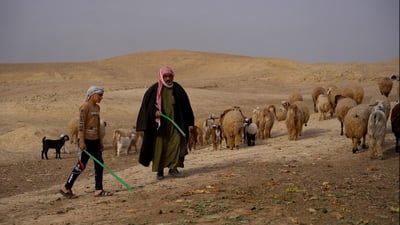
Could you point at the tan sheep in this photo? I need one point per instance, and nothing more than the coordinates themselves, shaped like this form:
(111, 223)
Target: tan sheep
(73, 129)
(200, 123)
(356, 123)
(343, 105)
(331, 93)
(295, 97)
(358, 92)
(294, 122)
(323, 106)
(232, 127)
(306, 113)
(314, 95)
(346, 91)
(267, 122)
(385, 85)
(199, 138)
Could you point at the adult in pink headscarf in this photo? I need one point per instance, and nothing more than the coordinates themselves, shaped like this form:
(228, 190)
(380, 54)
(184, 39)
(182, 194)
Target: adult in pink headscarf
(163, 144)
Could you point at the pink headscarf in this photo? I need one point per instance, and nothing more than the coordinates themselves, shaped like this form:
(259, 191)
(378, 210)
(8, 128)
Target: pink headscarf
(161, 83)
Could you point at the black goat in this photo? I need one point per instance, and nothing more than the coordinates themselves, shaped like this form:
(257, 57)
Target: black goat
(56, 144)
(395, 121)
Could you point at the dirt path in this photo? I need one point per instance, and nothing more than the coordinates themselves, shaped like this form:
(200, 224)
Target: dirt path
(310, 181)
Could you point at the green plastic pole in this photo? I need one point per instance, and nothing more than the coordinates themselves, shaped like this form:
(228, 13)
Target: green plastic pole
(173, 122)
(110, 171)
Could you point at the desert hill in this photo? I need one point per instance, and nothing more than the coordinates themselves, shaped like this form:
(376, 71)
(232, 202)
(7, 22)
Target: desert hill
(190, 64)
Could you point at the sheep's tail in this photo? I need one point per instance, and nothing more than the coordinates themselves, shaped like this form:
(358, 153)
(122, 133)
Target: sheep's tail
(43, 139)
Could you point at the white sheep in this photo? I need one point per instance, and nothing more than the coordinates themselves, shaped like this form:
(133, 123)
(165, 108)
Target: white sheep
(376, 130)
(281, 113)
(385, 85)
(73, 125)
(386, 103)
(355, 124)
(343, 105)
(323, 106)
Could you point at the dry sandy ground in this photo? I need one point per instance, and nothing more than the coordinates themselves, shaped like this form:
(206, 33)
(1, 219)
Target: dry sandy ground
(314, 180)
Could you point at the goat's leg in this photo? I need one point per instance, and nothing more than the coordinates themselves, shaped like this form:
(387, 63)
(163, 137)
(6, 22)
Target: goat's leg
(43, 151)
(58, 153)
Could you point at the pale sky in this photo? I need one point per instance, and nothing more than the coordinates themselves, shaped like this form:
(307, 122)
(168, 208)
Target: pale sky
(310, 31)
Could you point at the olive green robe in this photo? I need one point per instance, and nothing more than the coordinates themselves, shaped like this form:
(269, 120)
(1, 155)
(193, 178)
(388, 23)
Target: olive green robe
(167, 143)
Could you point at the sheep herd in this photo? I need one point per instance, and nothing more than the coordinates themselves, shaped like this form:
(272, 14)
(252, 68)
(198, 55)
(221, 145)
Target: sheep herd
(363, 123)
